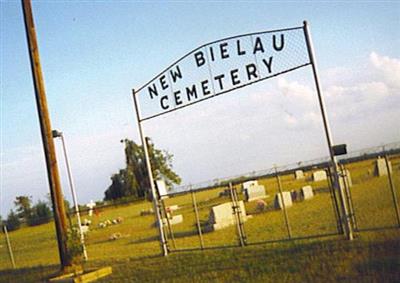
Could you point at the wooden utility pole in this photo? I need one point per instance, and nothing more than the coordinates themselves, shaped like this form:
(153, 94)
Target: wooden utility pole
(47, 139)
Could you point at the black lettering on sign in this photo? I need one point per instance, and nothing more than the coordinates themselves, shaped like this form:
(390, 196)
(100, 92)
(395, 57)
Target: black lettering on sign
(178, 100)
(251, 70)
(191, 92)
(219, 79)
(152, 90)
(235, 77)
(224, 50)
(212, 54)
(258, 46)
(164, 106)
(268, 64)
(204, 86)
(239, 51)
(176, 74)
(163, 82)
(282, 43)
(199, 56)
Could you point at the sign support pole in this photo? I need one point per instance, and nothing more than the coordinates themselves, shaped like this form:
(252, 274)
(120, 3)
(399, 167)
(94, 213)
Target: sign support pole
(47, 138)
(156, 205)
(336, 184)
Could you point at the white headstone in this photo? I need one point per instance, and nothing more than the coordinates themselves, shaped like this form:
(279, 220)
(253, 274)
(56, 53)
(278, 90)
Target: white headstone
(287, 199)
(162, 187)
(254, 192)
(307, 192)
(90, 205)
(84, 229)
(381, 168)
(222, 215)
(176, 219)
(299, 174)
(172, 207)
(249, 184)
(319, 175)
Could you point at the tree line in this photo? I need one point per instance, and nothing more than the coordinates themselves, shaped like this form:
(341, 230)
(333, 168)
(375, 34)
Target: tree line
(131, 182)
(27, 212)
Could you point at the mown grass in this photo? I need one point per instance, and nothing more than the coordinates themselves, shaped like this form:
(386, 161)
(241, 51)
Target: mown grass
(373, 255)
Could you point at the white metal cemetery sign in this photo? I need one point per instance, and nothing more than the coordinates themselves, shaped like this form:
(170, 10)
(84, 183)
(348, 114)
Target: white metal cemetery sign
(220, 67)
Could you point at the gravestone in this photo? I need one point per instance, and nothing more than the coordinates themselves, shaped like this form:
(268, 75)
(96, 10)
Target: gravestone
(253, 191)
(222, 215)
(287, 199)
(172, 207)
(299, 174)
(162, 188)
(175, 219)
(84, 229)
(249, 184)
(306, 192)
(381, 168)
(90, 205)
(319, 175)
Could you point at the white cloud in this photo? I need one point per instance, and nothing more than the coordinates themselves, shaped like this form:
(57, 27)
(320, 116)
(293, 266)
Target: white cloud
(291, 120)
(389, 68)
(295, 89)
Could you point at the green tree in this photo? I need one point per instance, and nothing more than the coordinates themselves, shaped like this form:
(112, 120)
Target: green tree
(24, 206)
(13, 222)
(133, 179)
(41, 213)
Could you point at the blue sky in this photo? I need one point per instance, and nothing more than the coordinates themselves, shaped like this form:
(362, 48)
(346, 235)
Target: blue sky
(94, 52)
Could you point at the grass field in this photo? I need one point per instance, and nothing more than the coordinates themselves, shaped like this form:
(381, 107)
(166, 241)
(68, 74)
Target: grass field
(373, 255)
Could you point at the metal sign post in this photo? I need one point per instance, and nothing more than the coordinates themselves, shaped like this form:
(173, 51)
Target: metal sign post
(336, 184)
(164, 247)
(57, 134)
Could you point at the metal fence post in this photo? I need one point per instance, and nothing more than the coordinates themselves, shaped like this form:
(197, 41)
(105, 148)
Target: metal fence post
(346, 185)
(163, 242)
(239, 213)
(196, 212)
(234, 211)
(169, 226)
(393, 189)
(334, 203)
(283, 204)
